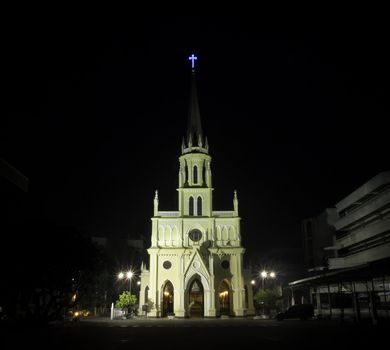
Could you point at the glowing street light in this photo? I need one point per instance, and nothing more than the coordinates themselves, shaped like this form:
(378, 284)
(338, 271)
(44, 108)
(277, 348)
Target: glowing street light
(129, 276)
(264, 274)
(253, 282)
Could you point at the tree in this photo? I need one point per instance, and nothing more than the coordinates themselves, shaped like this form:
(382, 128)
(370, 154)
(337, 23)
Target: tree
(150, 304)
(49, 272)
(267, 299)
(127, 301)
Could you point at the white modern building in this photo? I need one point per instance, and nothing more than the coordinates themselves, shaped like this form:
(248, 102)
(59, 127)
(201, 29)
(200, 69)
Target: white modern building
(356, 280)
(196, 256)
(363, 224)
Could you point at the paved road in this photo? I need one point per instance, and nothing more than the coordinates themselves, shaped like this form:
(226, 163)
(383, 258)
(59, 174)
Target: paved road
(197, 334)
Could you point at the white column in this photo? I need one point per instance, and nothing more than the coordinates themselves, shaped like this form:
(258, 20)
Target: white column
(212, 311)
(208, 174)
(179, 309)
(153, 284)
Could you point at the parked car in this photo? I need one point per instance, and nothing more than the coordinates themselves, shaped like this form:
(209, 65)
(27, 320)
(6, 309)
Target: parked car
(302, 311)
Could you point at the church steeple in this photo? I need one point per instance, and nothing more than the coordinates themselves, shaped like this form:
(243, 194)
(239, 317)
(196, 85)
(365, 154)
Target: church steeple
(194, 125)
(195, 185)
(194, 140)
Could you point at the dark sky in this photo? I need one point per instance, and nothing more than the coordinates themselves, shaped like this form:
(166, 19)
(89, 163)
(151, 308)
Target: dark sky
(95, 115)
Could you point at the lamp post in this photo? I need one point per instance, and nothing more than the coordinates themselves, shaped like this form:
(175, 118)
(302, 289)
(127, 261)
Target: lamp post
(129, 275)
(264, 274)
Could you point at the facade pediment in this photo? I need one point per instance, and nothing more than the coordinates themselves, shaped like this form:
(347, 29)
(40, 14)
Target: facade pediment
(196, 265)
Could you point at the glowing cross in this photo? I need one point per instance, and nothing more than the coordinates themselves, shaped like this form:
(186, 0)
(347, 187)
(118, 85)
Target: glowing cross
(193, 58)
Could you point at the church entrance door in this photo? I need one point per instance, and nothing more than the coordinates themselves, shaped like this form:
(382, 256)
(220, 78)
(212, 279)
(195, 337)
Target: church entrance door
(167, 304)
(196, 299)
(224, 299)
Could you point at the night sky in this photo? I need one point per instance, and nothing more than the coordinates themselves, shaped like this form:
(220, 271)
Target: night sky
(95, 115)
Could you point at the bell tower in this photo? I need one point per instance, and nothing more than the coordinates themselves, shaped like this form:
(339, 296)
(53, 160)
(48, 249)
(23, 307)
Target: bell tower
(195, 188)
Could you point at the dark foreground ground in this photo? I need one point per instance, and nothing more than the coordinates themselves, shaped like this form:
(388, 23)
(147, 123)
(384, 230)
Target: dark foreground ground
(198, 334)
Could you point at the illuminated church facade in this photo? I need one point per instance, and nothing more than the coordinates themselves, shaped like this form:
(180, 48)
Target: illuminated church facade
(196, 256)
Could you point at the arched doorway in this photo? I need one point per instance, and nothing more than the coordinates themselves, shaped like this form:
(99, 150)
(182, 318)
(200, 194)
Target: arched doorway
(167, 304)
(224, 299)
(196, 299)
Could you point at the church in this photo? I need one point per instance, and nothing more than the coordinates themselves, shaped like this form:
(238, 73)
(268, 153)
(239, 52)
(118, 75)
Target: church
(196, 257)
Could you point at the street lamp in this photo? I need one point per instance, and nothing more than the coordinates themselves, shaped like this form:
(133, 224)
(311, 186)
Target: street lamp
(129, 275)
(264, 274)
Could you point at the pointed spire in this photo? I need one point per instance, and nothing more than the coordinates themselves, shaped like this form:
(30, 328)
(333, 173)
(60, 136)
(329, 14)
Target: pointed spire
(194, 125)
(190, 141)
(235, 203)
(155, 202)
(194, 140)
(200, 143)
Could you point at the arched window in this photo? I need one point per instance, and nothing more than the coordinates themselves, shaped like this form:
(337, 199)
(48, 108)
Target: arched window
(185, 173)
(199, 206)
(146, 294)
(195, 172)
(191, 206)
(204, 173)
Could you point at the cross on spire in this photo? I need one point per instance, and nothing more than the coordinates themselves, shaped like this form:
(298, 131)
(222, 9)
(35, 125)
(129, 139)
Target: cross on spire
(193, 58)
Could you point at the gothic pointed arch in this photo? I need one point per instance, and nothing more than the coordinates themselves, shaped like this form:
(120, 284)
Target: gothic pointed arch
(225, 233)
(196, 298)
(232, 233)
(224, 298)
(167, 299)
(191, 206)
(199, 205)
(219, 234)
(195, 174)
(146, 294)
(185, 173)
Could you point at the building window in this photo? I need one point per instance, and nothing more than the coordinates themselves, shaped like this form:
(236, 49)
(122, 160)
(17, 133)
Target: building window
(195, 235)
(225, 264)
(199, 206)
(191, 206)
(195, 171)
(167, 264)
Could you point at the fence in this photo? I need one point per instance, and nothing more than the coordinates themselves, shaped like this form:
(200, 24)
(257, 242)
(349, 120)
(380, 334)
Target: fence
(116, 313)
